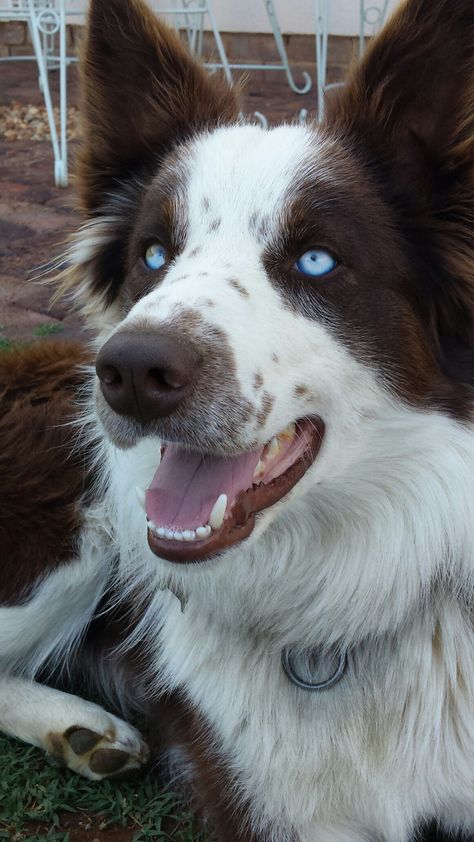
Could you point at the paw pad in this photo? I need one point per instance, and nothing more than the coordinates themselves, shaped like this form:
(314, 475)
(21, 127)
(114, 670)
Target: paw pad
(117, 750)
(82, 740)
(106, 761)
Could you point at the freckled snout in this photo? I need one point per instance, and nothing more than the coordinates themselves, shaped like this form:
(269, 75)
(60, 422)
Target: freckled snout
(147, 376)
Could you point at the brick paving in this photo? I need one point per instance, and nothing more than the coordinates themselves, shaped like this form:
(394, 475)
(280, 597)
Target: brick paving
(36, 217)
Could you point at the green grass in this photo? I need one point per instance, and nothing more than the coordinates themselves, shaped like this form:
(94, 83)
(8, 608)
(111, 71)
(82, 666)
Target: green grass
(33, 790)
(42, 330)
(47, 329)
(5, 344)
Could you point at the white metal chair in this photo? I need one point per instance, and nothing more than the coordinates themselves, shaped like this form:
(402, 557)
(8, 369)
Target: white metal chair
(46, 20)
(190, 16)
(371, 17)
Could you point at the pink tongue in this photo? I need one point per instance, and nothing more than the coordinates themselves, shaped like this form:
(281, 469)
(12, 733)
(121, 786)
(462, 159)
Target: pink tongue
(186, 485)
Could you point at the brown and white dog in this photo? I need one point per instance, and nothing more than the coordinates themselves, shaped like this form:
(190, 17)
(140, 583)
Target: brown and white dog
(285, 372)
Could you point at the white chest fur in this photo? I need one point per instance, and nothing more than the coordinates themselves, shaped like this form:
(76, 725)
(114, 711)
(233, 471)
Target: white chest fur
(365, 759)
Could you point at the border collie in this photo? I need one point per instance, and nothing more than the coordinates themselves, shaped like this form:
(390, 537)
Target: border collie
(284, 371)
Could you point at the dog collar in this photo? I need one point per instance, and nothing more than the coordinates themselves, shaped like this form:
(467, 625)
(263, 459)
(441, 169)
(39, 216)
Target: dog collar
(308, 669)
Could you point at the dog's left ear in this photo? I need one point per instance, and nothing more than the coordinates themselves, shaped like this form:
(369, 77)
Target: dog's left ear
(142, 92)
(407, 113)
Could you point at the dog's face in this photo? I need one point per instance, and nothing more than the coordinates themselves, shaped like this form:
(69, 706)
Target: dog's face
(268, 295)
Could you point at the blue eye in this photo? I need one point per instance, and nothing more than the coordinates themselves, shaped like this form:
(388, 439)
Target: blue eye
(316, 262)
(155, 256)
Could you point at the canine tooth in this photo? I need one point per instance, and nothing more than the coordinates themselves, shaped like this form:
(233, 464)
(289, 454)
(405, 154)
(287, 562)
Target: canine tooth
(216, 518)
(141, 497)
(151, 525)
(273, 448)
(189, 535)
(259, 470)
(201, 532)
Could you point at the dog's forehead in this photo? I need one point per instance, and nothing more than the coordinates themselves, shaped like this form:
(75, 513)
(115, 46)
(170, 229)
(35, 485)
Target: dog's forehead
(242, 172)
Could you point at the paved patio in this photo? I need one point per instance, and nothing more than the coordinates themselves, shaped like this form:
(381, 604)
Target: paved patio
(36, 217)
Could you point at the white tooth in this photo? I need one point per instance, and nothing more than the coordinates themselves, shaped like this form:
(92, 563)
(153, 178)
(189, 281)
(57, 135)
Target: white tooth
(273, 448)
(151, 525)
(160, 531)
(189, 535)
(201, 532)
(216, 518)
(141, 497)
(178, 535)
(259, 470)
(169, 534)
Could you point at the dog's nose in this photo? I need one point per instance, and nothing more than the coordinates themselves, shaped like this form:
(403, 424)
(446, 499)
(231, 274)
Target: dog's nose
(148, 375)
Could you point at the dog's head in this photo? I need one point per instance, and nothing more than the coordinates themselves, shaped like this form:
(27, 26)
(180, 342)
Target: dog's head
(267, 296)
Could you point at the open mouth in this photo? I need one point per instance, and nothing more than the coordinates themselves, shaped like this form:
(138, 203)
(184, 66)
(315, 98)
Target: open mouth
(200, 504)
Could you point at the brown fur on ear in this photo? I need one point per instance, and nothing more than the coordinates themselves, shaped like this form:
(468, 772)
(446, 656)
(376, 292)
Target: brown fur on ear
(414, 87)
(142, 92)
(407, 112)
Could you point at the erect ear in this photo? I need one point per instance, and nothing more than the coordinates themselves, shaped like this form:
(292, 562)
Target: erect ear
(411, 97)
(141, 93)
(407, 112)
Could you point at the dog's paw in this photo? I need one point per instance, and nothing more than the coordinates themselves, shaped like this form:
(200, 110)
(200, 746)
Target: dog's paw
(117, 749)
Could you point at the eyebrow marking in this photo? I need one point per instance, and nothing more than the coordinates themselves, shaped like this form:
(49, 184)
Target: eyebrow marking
(215, 225)
(195, 251)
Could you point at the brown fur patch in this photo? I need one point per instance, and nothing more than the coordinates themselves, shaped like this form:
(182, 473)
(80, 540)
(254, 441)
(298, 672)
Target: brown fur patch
(265, 409)
(43, 472)
(233, 282)
(301, 390)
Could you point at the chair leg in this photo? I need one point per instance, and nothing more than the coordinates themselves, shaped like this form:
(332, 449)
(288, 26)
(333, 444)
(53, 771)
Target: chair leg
(59, 144)
(322, 26)
(280, 45)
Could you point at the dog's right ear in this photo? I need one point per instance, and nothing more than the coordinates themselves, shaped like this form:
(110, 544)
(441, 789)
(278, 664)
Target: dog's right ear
(141, 93)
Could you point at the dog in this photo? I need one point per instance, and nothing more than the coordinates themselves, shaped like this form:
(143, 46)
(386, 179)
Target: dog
(264, 491)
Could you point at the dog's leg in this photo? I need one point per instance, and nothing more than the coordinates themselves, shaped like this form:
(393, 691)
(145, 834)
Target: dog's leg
(81, 734)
